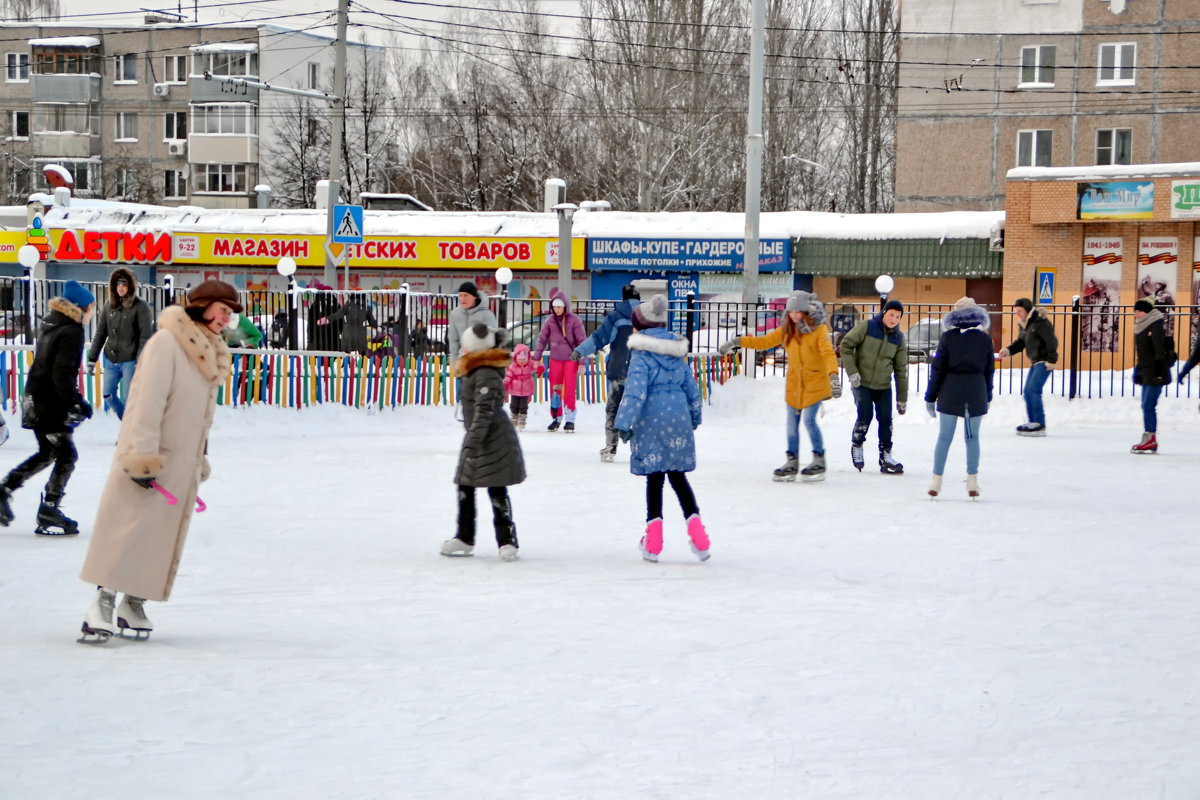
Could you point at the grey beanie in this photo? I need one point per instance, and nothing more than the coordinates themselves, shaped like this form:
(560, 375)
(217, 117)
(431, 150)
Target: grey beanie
(798, 301)
(651, 313)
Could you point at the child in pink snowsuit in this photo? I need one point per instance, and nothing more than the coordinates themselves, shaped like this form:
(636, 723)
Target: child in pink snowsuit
(562, 331)
(518, 384)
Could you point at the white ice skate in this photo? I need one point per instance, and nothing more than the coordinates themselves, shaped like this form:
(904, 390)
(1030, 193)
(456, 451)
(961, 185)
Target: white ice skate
(973, 486)
(131, 616)
(98, 620)
(508, 552)
(457, 547)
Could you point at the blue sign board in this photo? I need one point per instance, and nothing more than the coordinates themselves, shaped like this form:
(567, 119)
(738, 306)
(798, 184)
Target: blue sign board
(1045, 287)
(347, 224)
(686, 255)
(678, 286)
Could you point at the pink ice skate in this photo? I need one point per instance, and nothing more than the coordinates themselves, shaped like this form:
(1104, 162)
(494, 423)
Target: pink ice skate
(699, 537)
(652, 542)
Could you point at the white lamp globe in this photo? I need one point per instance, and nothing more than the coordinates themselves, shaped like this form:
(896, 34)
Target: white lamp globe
(504, 276)
(286, 266)
(29, 256)
(884, 284)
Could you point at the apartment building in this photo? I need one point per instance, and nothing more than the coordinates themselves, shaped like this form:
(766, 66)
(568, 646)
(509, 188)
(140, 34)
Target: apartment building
(129, 112)
(989, 86)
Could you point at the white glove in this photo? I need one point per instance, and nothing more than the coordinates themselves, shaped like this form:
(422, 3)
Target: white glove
(855, 380)
(728, 347)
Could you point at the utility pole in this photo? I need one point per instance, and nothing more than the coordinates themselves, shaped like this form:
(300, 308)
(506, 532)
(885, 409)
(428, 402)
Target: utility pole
(754, 151)
(335, 139)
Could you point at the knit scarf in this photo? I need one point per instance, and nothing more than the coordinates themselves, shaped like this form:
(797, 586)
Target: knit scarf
(1145, 322)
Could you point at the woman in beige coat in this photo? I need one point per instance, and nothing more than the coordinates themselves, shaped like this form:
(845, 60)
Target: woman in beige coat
(138, 538)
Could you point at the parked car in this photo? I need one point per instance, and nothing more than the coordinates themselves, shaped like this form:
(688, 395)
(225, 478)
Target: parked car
(922, 338)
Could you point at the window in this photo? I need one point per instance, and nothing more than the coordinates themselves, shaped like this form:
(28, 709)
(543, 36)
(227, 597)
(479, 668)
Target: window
(1034, 148)
(18, 124)
(125, 68)
(1114, 146)
(238, 64)
(241, 119)
(127, 125)
(314, 75)
(175, 69)
(856, 287)
(175, 184)
(62, 118)
(223, 177)
(16, 67)
(175, 125)
(1037, 66)
(127, 183)
(1116, 64)
(67, 61)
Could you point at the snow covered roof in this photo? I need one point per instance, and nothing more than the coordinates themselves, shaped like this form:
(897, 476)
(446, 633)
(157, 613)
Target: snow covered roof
(66, 41)
(225, 47)
(1098, 173)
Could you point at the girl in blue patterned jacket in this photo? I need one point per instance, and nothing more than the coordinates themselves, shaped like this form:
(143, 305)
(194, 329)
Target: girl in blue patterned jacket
(659, 412)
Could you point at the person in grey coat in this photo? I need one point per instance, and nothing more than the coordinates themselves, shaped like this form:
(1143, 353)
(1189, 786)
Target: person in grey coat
(355, 316)
(122, 328)
(491, 453)
(471, 310)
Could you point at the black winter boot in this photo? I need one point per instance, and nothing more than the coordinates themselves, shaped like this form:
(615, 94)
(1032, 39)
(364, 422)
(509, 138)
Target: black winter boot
(51, 516)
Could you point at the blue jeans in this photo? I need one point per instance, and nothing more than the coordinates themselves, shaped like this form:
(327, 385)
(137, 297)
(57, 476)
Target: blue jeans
(948, 423)
(117, 375)
(1034, 382)
(810, 424)
(1150, 407)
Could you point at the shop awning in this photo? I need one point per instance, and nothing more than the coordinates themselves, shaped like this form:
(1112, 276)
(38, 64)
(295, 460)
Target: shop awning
(910, 258)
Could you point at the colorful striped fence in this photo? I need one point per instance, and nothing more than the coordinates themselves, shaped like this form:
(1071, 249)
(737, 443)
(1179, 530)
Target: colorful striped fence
(296, 380)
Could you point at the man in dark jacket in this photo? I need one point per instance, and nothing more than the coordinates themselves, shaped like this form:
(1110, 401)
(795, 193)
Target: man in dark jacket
(52, 407)
(122, 329)
(1040, 344)
(613, 332)
(491, 453)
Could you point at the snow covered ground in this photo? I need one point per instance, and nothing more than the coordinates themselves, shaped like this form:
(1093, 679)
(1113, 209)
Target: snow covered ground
(848, 639)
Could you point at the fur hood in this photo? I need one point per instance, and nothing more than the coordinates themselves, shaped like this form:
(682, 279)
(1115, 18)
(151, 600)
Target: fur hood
(492, 357)
(130, 297)
(968, 317)
(816, 312)
(665, 345)
(66, 308)
(205, 349)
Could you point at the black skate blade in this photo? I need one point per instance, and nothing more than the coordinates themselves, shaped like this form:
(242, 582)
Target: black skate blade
(127, 631)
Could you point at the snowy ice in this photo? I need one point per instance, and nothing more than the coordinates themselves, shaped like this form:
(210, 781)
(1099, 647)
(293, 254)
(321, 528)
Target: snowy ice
(848, 639)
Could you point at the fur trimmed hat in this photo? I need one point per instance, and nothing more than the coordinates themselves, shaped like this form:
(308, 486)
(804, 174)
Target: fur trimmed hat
(212, 291)
(798, 301)
(652, 313)
(75, 293)
(480, 337)
(1144, 304)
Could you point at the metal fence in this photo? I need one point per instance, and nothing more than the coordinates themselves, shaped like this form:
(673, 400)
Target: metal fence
(410, 330)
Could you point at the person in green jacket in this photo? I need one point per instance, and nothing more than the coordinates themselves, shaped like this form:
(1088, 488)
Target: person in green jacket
(872, 353)
(246, 334)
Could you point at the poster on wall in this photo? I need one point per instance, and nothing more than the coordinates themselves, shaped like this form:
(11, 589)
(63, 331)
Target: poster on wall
(1116, 200)
(1158, 266)
(1102, 257)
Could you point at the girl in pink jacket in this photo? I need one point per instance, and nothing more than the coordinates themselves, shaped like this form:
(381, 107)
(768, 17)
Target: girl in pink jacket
(518, 384)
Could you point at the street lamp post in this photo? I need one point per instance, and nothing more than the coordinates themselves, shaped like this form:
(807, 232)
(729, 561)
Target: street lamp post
(565, 212)
(29, 256)
(287, 268)
(884, 285)
(504, 277)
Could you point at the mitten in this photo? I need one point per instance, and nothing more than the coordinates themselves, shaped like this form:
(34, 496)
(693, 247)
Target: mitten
(576, 355)
(145, 483)
(836, 383)
(728, 347)
(625, 435)
(932, 409)
(901, 407)
(855, 380)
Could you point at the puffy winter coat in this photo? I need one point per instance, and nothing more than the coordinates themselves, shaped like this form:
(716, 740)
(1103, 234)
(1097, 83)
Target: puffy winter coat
(1037, 339)
(53, 382)
(137, 540)
(661, 404)
(875, 354)
(123, 325)
(463, 318)
(561, 334)
(960, 375)
(518, 379)
(356, 317)
(810, 362)
(614, 333)
(491, 453)
(1153, 352)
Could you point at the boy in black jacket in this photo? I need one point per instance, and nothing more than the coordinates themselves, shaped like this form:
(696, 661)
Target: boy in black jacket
(52, 406)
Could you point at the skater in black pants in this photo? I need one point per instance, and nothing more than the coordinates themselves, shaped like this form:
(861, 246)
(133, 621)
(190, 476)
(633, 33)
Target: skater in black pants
(491, 453)
(52, 407)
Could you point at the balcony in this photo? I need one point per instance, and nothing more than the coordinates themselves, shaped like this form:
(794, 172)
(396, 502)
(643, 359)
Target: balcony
(60, 144)
(64, 88)
(216, 92)
(222, 148)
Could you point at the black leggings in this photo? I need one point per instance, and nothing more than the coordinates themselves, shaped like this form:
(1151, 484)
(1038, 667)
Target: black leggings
(654, 494)
(57, 447)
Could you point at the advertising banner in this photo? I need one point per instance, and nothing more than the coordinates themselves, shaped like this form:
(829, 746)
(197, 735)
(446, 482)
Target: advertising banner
(1185, 199)
(1158, 265)
(1102, 261)
(1116, 200)
(687, 255)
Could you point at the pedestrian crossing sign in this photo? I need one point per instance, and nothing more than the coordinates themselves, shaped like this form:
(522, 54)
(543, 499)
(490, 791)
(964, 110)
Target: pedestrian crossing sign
(347, 224)
(1045, 287)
